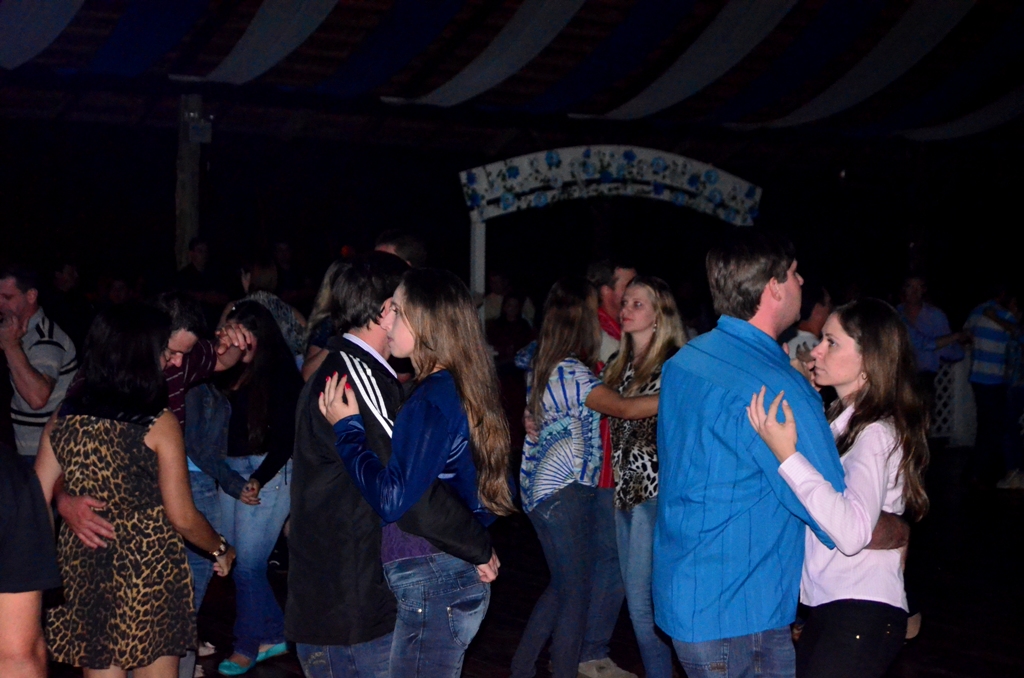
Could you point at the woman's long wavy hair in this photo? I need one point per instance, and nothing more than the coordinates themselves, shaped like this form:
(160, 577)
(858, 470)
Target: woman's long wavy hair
(440, 312)
(668, 338)
(570, 328)
(890, 393)
(272, 364)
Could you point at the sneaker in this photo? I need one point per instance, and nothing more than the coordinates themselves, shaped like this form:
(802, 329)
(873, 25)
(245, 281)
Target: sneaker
(603, 668)
(206, 649)
(1014, 480)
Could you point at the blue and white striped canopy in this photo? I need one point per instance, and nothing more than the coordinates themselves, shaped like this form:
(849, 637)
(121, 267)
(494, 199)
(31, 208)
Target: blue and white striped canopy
(923, 69)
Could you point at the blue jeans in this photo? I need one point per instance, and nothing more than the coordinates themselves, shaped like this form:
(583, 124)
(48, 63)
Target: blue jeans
(606, 591)
(767, 653)
(253, 531)
(441, 603)
(365, 660)
(207, 500)
(635, 531)
(564, 525)
(206, 497)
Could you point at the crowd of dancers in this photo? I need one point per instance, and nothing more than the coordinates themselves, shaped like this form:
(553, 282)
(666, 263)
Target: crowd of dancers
(711, 481)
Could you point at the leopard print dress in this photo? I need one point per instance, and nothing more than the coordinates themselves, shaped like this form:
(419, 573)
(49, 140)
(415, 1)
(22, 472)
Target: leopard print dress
(130, 603)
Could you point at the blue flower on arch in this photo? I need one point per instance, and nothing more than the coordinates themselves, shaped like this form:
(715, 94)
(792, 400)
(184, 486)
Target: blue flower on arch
(657, 188)
(730, 215)
(471, 178)
(753, 212)
(586, 153)
(711, 176)
(552, 159)
(606, 176)
(512, 171)
(693, 181)
(629, 156)
(474, 199)
(555, 180)
(715, 196)
(589, 169)
(507, 200)
(751, 192)
(658, 165)
(540, 199)
(679, 199)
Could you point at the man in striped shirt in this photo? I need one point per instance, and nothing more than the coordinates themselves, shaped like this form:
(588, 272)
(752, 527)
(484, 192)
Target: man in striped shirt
(40, 356)
(992, 325)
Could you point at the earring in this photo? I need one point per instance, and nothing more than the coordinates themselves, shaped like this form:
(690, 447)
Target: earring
(864, 376)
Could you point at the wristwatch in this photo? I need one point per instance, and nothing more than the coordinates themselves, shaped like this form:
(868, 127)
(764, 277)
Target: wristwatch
(222, 549)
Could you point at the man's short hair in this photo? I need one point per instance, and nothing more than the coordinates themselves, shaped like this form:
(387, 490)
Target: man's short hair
(406, 245)
(602, 273)
(363, 287)
(739, 270)
(186, 313)
(25, 278)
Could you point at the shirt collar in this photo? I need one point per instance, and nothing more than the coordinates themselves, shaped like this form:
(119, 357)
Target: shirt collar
(748, 334)
(31, 336)
(369, 349)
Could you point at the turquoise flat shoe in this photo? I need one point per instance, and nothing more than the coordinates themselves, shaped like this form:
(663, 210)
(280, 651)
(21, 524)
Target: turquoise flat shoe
(272, 651)
(230, 668)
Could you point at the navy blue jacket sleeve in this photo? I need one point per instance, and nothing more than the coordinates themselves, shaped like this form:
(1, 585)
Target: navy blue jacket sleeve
(419, 450)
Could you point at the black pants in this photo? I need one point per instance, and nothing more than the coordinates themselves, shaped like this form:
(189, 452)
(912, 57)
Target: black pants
(850, 639)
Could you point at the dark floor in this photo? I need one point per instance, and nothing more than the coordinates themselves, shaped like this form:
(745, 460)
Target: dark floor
(968, 556)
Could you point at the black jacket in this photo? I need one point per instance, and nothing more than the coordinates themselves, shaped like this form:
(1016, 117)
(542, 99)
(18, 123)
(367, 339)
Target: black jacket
(337, 594)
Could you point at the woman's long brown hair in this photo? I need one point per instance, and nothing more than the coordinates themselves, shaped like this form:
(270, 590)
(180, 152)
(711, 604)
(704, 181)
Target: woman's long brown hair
(569, 328)
(890, 393)
(440, 312)
(668, 338)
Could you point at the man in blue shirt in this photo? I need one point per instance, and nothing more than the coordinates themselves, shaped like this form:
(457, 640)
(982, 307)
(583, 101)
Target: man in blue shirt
(729, 539)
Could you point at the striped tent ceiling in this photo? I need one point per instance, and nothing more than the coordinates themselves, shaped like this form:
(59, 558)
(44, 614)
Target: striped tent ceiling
(922, 70)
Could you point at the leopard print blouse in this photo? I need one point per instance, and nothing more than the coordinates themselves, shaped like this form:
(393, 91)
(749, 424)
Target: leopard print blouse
(635, 449)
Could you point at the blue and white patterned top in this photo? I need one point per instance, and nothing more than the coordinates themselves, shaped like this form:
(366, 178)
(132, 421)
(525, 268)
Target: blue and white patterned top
(568, 449)
(990, 340)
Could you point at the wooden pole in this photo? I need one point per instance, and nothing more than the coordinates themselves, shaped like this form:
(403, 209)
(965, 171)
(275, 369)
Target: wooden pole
(186, 195)
(477, 256)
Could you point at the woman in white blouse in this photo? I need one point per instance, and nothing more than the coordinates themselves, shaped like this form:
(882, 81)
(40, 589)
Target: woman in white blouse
(857, 620)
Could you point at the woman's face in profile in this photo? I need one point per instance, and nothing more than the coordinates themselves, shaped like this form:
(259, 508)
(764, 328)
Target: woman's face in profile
(837, 360)
(400, 337)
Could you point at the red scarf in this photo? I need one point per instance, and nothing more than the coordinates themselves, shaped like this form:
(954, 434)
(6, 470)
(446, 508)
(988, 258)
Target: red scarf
(609, 325)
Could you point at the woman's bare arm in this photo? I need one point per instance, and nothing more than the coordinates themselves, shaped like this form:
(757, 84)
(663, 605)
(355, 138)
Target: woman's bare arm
(166, 440)
(608, 401)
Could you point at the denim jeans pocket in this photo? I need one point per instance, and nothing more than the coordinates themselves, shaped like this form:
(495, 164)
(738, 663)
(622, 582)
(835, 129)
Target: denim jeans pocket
(315, 661)
(466, 612)
(706, 658)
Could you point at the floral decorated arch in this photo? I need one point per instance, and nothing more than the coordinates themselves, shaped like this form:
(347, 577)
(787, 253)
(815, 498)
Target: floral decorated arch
(578, 172)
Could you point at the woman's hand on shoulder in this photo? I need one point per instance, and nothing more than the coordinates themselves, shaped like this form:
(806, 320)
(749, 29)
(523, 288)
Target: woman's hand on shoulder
(222, 563)
(337, 400)
(780, 438)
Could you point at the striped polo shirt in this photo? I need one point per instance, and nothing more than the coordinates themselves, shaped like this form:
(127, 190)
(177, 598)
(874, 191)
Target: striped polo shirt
(51, 353)
(988, 364)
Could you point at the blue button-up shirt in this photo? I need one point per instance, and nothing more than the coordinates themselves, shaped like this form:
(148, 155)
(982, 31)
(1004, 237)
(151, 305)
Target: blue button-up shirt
(729, 538)
(931, 324)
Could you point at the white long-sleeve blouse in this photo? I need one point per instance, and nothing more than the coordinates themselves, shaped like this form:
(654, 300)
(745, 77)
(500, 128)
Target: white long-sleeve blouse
(872, 485)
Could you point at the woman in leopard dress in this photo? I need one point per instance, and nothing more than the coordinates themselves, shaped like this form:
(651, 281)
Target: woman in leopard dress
(652, 332)
(128, 606)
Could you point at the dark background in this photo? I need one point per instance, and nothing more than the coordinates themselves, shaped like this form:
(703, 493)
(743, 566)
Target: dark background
(105, 195)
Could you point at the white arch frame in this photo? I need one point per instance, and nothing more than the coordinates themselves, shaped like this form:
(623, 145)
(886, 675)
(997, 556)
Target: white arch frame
(580, 172)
